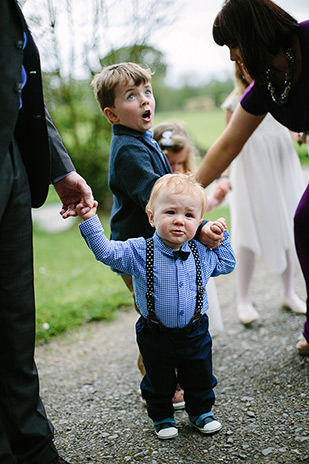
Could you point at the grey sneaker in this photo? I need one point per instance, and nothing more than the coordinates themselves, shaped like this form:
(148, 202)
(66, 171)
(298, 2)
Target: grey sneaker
(205, 423)
(165, 428)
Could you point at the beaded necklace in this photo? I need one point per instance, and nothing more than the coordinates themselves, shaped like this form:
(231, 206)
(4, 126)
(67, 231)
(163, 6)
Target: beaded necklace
(288, 77)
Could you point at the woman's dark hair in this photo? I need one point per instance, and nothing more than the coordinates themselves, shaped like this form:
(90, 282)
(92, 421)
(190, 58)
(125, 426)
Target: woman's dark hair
(259, 28)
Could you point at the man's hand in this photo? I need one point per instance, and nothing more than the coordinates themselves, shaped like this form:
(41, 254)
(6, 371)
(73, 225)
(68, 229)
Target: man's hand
(73, 190)
(211, 234)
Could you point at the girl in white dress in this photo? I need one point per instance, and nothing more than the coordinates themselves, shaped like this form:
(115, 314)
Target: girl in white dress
(179, 149)
(267, 184)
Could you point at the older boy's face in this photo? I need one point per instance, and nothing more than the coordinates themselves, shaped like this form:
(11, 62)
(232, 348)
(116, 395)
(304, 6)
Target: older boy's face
(134, 106)
(176, 218)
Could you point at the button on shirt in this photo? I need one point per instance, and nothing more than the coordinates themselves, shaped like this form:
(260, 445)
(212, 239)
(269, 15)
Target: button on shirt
(174, 280)
(21, 45)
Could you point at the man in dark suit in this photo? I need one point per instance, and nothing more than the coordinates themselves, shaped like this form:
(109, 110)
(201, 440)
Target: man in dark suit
(31, 157)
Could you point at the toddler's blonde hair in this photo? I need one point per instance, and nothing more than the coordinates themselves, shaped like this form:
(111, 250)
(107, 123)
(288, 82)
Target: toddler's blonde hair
(175, 184)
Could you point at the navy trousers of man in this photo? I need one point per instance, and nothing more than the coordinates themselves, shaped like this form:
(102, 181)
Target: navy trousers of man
(25, 432)
(187, 350)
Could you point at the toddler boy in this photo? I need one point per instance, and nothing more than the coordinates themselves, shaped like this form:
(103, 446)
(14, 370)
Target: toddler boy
(170, 271)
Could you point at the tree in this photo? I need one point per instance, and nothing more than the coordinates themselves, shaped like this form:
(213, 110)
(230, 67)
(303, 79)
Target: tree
(73, 36)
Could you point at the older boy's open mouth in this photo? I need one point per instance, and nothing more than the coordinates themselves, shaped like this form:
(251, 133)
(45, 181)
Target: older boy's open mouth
(146, 115)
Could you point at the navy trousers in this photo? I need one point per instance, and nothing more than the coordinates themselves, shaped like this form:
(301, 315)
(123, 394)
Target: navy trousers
(188, 351)
(25, 432)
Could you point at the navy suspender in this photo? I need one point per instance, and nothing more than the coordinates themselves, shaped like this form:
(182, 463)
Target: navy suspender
(150, 288)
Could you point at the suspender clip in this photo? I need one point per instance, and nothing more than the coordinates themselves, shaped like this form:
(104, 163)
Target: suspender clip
(201, 290)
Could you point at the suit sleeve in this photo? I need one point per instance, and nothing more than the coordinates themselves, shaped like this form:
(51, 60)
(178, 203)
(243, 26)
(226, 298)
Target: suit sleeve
(135, 173)
(61, 163)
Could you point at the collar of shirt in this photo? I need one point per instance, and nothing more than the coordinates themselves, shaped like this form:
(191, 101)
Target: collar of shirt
(158, 243)
(148, 136)
(118, 129)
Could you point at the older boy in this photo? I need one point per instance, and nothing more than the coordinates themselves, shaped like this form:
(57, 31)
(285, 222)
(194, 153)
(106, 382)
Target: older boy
(170, 272)
(125, 96)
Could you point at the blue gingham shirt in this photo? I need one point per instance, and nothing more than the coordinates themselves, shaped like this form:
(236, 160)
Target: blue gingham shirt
(174, 281)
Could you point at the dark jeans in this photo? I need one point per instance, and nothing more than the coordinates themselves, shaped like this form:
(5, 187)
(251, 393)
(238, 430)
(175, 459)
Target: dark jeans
(301, 232)
(25, 432)
(187, 351)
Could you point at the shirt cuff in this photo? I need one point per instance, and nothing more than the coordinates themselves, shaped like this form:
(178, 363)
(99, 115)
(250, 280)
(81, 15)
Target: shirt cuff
(91, 225)
(61, 177)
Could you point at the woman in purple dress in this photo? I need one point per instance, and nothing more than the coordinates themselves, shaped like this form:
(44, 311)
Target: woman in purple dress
(273, 48)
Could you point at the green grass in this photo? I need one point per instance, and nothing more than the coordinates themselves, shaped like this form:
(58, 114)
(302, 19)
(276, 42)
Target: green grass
(203, 126)
(72, 288)
(220, 211)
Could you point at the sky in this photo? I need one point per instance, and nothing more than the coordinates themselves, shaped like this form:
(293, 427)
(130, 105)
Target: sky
(190, 48)
(187, 43)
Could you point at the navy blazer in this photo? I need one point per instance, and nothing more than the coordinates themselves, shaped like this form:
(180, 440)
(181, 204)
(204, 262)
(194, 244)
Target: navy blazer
(135, 165)
(43, 153)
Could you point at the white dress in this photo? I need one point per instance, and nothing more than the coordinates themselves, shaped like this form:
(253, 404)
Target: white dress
(267, 184)
(214, 310)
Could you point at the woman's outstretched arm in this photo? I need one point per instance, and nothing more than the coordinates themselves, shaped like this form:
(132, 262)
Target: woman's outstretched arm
(228, 145)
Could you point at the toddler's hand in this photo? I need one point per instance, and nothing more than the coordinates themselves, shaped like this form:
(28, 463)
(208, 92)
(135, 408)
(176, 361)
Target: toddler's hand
(222, 187)
(85, 212)
(219, 194)
(218, 226)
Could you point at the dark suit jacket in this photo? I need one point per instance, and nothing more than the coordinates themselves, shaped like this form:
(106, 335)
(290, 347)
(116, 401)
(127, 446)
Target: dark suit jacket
(134, 167)
(40, 145)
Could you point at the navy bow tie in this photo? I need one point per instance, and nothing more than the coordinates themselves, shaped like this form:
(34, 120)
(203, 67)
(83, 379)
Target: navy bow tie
(181, 254)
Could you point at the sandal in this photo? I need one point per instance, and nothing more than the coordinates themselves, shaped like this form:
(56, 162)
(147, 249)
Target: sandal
(302, 346)
(178, 399)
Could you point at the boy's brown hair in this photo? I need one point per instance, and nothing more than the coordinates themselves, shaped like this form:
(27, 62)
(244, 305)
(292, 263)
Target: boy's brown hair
(105, 82)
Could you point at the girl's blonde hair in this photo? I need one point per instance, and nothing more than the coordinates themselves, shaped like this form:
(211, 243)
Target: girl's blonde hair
(175, 184)
(171, 136)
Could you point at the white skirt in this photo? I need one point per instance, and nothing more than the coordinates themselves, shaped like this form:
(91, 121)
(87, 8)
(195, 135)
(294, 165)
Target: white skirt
(214, 310)
(267, 184)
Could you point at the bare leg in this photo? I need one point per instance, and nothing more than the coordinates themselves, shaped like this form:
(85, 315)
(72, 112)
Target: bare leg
(290, 299)
(245, 266)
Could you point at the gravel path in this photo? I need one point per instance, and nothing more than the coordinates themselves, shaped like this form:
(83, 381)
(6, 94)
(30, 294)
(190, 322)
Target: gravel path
(89, 384)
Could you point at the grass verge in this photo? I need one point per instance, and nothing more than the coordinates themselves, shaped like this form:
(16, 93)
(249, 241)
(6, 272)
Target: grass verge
(71, 287)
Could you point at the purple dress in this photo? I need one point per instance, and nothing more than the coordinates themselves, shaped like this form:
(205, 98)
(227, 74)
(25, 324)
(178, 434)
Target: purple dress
(294, 114)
